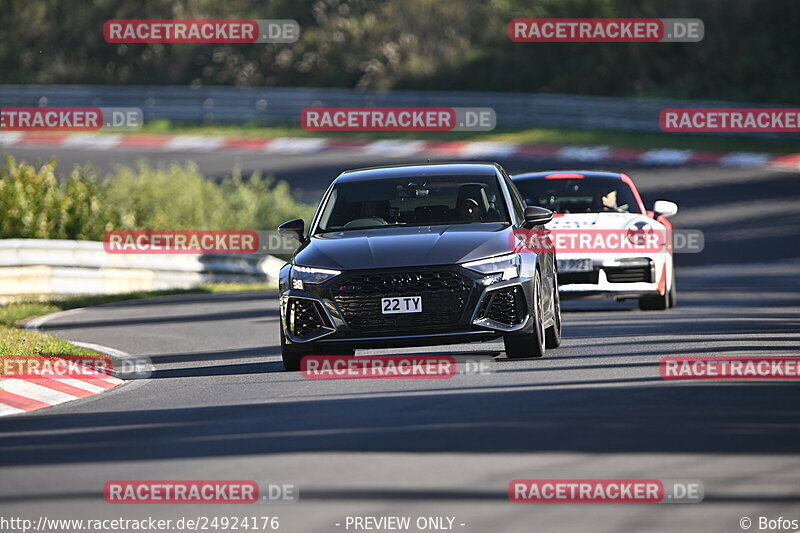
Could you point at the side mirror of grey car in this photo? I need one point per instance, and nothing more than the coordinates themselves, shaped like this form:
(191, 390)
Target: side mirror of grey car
(535, 215)
(294, 228)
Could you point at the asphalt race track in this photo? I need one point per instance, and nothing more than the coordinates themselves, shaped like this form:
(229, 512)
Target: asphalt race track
(219, 406)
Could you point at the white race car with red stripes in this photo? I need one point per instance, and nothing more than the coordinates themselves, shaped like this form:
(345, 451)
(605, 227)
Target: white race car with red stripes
(607, 211)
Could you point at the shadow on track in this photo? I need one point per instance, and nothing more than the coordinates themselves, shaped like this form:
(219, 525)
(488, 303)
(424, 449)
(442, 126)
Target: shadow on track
(166, 319)
(693, 418)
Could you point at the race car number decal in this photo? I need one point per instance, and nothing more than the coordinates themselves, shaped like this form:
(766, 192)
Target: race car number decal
(574, 265)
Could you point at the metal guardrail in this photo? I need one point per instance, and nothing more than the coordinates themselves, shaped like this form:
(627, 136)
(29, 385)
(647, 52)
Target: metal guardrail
(280, 106)
(41, 266)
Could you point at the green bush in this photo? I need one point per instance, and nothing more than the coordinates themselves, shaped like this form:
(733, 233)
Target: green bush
(34, 204)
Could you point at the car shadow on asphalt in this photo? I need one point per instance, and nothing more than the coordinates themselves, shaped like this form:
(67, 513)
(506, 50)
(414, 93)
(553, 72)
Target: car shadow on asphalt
(261, 352)
(166, 319)
(590, 416)
(193, 298)
(217, 370)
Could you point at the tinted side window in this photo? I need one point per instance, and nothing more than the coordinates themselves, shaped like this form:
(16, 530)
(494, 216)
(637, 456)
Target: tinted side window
(516, 200)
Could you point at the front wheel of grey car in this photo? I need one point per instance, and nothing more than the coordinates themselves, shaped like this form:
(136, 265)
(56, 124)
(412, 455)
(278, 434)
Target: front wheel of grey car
(293, 354)
(552, 338)
(532, 344)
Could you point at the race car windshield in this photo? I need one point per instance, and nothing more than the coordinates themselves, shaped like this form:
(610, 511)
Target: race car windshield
(426, 201)
(595, 195)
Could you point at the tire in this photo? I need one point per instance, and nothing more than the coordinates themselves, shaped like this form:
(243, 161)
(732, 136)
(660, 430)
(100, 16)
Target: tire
(673, 290)
(532, 344)
(552, 336)
(654, 303)
(335, 349)
(658, 302)
(292, 354)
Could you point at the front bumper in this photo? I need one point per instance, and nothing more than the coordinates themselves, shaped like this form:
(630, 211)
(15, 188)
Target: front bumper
(471, 311)
(615, 277)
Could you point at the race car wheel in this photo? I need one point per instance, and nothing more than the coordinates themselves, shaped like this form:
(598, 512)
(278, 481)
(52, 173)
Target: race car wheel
(658, 302)
(532, 344)
(673, 291)
(552, 337)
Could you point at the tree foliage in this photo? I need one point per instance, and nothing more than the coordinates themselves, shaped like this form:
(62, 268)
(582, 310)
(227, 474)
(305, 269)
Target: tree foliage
(750, 51)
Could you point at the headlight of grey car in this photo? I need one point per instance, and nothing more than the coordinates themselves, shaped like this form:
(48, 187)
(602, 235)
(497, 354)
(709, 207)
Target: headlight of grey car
(497, 268)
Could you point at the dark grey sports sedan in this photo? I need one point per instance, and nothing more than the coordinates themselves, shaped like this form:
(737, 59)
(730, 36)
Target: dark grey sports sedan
(418, 255)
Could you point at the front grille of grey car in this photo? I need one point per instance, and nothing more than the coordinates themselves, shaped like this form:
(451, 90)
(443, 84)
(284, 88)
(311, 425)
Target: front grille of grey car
(506, 306)
(444, 296)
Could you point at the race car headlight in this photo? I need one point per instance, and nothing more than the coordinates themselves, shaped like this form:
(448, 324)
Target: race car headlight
(499, 268)
(310, 275)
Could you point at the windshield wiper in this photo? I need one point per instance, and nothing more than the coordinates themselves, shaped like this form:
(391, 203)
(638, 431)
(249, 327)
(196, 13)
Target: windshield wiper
(356, 228)
(422, 225)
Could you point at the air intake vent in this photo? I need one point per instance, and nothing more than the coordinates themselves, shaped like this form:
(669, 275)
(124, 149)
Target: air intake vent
(634, 274)
(305, 318)
(506, 306)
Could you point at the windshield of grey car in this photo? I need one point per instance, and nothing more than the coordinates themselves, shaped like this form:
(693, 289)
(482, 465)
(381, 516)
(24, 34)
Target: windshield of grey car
(423, 201)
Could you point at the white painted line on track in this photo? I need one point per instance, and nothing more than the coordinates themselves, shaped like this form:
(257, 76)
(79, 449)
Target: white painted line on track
(39, 321)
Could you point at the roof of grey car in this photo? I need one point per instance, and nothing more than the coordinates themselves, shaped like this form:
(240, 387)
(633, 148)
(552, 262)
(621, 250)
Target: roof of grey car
(417, 170)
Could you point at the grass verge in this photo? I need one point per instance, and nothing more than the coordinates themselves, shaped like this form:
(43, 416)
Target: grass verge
(16, 342)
